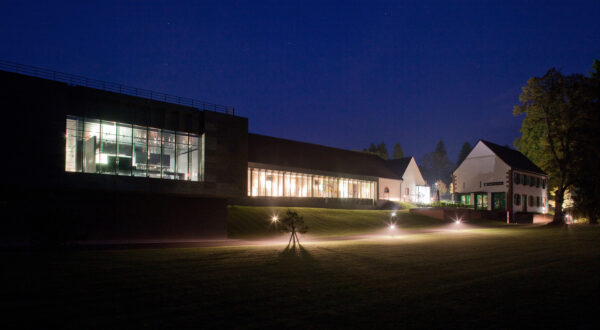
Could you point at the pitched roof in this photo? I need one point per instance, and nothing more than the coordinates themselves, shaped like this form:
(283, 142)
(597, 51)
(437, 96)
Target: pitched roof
(513, 158)
(399, 165)
(282, 152)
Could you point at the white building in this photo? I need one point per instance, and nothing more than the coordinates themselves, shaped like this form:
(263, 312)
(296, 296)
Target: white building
(413, 188)
(498, 178)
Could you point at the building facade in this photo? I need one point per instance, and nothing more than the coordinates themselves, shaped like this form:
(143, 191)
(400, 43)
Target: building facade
(286, 172)
(414, 188)
(92, 160)
(497, 178)
(96, 164)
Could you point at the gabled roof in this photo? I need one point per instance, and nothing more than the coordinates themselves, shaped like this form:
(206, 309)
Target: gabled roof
(288, 153)
(399, 165)
(513, 158)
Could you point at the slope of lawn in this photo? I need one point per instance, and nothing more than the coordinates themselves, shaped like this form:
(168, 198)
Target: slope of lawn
(405, 205)
(492, 278)
(255, 221)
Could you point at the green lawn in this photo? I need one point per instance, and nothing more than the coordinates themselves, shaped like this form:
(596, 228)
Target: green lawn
(255, 221)
(501, 277)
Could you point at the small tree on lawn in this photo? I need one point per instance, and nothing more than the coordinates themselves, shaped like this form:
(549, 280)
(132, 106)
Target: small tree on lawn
(293, 223)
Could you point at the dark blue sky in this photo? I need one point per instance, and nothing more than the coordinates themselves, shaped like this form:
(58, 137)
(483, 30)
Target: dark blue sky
(340, 73)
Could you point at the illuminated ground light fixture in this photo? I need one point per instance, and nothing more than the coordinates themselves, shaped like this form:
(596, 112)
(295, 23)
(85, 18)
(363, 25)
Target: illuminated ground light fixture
(274, 218)
(457, 220)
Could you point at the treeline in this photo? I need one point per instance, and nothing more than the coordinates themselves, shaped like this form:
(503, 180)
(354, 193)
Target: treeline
(381, 151)
(436, 167)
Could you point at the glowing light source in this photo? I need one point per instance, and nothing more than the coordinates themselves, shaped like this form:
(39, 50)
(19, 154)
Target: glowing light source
(457, 220)
(393, 214)
(274, 218)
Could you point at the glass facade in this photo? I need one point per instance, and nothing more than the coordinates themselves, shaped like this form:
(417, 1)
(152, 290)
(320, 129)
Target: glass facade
(108, 147)
(272, 183)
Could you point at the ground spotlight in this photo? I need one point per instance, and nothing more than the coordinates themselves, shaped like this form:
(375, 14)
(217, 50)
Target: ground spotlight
(393, 214)
(457, 221)
(274, 218)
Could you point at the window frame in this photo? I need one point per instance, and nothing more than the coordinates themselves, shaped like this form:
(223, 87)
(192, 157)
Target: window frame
(117, 144)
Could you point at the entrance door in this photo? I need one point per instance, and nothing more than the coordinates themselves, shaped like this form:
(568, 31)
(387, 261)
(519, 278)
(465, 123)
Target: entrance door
(499, 201)
(481, 202)
(524, 200)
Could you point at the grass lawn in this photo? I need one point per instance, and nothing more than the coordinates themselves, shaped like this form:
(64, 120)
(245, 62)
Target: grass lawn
(478, 278)
(255, 221)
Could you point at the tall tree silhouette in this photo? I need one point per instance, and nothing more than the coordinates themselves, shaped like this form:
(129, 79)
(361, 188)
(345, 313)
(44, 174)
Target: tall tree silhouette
(436, 165)
(464, 152)
(398, 152)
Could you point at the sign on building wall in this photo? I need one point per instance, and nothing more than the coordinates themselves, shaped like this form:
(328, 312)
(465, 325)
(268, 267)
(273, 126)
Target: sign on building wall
(497, 183)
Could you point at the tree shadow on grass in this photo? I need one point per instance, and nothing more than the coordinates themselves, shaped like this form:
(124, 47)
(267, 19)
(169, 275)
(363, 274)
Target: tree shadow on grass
(295, 253)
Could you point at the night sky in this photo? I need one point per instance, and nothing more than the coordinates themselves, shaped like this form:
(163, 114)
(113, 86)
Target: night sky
(342, 74)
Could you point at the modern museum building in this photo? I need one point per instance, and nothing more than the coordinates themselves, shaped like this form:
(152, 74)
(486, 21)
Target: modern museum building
(92, 160)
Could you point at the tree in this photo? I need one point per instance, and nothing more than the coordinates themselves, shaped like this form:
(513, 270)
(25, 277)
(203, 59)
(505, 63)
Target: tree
(464, 152)
(293, 223)
(440, 148)
(441, 187)
(372, 149)
(398, 152)
(436, 165)
(379, 150)
(595, 73)
(555, 108)
(586, 181)
(382, 150)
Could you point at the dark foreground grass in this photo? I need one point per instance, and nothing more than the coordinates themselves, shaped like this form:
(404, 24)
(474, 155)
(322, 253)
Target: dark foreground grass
(255, 221)
(483, 278)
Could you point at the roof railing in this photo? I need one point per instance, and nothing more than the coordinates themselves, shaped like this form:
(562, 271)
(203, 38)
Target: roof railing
(75, 80)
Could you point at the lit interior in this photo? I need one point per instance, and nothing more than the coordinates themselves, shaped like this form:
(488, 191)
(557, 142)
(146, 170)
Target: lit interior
(272, 183)
(108, 147)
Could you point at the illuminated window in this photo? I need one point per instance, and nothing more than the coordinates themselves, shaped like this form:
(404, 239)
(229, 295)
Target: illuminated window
(465, 199)
(499, 201)
(140, 151)
(108, 147)
(481, 202)
(272, 183)
(182, 152)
